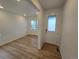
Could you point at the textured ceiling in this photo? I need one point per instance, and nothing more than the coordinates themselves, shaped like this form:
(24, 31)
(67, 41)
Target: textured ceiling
(21, 8)
(50, 4)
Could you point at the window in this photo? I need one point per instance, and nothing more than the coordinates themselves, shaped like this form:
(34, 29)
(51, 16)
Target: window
(52, 23)
(33, 24)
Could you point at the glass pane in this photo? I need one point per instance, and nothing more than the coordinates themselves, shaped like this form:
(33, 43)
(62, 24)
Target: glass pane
(33, 24)
(51, 23)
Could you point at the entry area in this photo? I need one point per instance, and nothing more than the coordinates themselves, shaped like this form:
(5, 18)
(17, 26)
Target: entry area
(38, 29)
(23, 49)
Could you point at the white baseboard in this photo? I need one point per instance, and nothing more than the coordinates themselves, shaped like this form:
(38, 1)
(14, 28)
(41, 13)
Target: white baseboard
(10, 40)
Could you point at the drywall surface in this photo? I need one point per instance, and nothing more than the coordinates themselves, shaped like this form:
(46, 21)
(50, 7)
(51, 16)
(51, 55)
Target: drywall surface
(40, 19)
(41, 28)
(11, 27)
(69, 35)
(53, 37)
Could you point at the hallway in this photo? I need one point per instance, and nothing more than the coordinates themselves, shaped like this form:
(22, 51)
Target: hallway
(23, 49)
(38, 29)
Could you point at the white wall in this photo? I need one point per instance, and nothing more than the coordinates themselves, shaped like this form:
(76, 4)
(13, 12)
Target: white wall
(11, 27)
(69, 34)
(40, 19)
(41, 29)
(53, 37)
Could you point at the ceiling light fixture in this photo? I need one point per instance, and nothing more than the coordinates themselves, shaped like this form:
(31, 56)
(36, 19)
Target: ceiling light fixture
(37, 13)
(24, 14)
(18, 0)
(1, 7)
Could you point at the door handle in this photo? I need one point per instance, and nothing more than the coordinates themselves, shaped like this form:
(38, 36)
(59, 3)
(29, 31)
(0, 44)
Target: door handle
(46, 30)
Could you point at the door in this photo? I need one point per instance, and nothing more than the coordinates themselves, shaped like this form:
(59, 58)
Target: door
(50, 35)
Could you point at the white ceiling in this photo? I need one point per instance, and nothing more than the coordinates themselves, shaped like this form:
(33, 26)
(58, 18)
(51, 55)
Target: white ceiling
(21, 8)
(50, 4)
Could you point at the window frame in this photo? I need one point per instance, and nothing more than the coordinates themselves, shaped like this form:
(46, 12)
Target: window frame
(55, 23)
(35, 26)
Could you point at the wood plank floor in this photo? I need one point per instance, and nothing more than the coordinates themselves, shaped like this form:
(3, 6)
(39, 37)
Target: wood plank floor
(23, 49)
